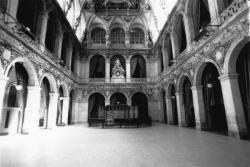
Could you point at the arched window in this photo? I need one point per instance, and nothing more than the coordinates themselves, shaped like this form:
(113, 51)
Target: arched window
(137, 36)
(138, 67)
(51, 34)
(117, 36)
(97, 67)
(167, 50)
(179, 35)
(28, 16)
(201, 16)
(98, 36)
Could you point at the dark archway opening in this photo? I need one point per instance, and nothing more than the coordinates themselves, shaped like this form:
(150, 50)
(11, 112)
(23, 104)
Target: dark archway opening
(52, 32)
(118, 98)
(65, 48)
(188, 103)
(16, 97)
(44, 103)
(28, 17)
(96, 105)
(97, 67)
(243, 69)
(213, 100)
(138, 67)
(60, 107)
(180, 35)
(174, 105)
(140, 100)
(164, 106)
(71, 107)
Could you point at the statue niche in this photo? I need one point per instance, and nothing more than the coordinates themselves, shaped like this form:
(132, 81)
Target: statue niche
(118, 73)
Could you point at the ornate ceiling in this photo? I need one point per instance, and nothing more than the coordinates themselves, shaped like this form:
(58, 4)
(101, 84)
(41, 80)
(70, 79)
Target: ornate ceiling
(82, 13)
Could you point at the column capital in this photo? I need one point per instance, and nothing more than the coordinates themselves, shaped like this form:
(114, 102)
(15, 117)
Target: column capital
(64, 98)
(33, 88)
(54, 94)
(179, 93)
(228, 76)
(197, 87)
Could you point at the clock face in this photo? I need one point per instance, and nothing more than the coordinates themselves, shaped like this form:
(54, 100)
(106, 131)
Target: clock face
(118, 73)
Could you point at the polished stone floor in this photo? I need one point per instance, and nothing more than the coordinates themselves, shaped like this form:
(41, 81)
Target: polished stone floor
(156, 146)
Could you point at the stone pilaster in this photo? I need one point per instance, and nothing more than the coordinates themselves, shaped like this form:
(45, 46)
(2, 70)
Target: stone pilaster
(180, 108)
(107, 70)
(128, 75)
(199, 109)
(3, 81)
(31, 117)
(65, 110)
(233, 105)
(52, 111)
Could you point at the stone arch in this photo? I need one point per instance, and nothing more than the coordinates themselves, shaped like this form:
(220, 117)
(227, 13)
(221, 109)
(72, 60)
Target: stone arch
(199, 71)
(143, 92)
(52, 82)
(233, 54)
(33, 78)
(65, 89)
(168, 88)
(119, 92)
(94, 92)
(181, 81)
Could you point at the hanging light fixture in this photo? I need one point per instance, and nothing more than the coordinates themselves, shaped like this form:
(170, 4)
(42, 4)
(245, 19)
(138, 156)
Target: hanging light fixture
(19, 85)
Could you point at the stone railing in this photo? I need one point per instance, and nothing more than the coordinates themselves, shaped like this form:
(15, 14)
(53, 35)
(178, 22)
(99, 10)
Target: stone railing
(97, 80)
(236, 7)
(138, 80)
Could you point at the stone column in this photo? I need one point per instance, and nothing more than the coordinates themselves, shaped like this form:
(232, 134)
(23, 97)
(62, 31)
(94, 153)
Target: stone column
(215, 7)
(173, 46)
(12, 6)
(85, 111)
(107, 102)
(187, 32)
(169, 110)
(31, 113)
(52, 111)
(233, 105)
(65, 110)
(127, 39)
(3, 81)
(128, 75)
(107, 37)
(58, 44)
(42, 26)
(199, 108)
(180, 108)
(107, 70)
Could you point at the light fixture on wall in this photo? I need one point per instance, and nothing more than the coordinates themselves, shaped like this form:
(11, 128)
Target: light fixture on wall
(173, 97)
(210, 85)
